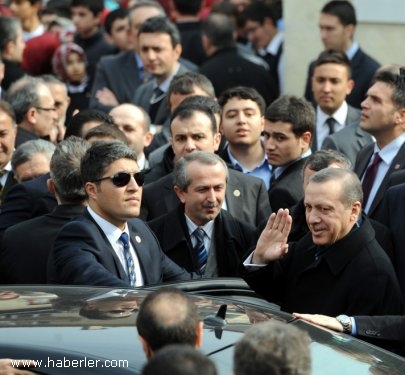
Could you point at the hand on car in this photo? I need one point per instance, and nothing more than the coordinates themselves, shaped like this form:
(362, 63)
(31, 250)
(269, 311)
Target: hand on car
(272, 243)
(321, 320)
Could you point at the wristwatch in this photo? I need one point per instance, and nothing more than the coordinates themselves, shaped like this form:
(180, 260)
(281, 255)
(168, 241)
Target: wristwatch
(346, 323)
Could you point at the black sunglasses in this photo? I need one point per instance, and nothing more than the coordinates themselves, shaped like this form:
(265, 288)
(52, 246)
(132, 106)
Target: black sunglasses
(121, 179)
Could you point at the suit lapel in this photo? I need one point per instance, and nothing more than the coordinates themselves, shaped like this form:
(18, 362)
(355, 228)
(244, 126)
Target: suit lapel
(398, 163)
(234, 195)
(114, 258)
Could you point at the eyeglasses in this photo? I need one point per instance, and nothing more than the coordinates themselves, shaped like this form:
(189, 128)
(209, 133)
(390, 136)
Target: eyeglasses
(46, 109)
(121, 179)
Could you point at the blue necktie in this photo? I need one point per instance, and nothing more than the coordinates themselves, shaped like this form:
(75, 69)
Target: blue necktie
(128, 258)
(200, 249)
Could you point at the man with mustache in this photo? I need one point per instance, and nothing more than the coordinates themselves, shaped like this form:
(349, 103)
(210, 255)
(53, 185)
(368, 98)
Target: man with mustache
(198, 235)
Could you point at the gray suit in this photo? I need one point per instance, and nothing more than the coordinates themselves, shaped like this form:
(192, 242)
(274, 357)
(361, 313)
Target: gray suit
(143, 95)
(353, 116)
(120, 74)
(348, 141)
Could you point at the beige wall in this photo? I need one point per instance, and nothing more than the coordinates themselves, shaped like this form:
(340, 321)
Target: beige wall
(385, 42)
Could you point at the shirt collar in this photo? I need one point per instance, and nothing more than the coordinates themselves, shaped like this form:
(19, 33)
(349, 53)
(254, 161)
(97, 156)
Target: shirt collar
(237, 165)
(352, 50)
(340, 115)
(164, 86)
(273, 46)
(388, 152)
(112, 232)
(208, 227)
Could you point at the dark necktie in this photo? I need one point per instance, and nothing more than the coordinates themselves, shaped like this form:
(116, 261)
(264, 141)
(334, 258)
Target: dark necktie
(273, 177)
(200, 249)
(331, 122)
(128, 258)
(155, 101)
(369, 177)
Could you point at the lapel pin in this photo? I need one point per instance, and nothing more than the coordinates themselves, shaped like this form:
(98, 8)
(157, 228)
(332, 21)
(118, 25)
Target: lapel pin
(138, 239)
(397, 166)
(236, 193)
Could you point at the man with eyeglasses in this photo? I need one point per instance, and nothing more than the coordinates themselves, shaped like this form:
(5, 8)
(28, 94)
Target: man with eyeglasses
(34, 108)
(107, 246)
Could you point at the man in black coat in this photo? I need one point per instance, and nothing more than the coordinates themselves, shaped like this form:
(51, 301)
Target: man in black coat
(339, 268)
(225, 67)
(337, 24)
(26, 246)
(200, 180)
(103, 247)
(288, 127)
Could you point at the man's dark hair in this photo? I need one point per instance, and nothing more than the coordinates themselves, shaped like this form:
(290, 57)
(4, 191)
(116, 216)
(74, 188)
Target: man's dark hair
(188, 7)
(219, 29)
(396, 82)
(100, 156)
(258, 11)
(322, 159)
(160, 24)
(167, 316)
(197, 103)
(106, 131)
(77, 121)
(343, 10)
(334, 56)
(65, 170)
(296, 111)
(95, 6)
(116, 14)
(8, 110)
(242, 92)
(179, 360)
(184, 84)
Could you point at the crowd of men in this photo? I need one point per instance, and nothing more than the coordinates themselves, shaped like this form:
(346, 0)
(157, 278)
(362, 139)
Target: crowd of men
(140, 146)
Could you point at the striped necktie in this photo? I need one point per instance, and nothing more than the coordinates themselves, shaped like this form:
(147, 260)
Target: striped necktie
(200, 249)
(128, 258)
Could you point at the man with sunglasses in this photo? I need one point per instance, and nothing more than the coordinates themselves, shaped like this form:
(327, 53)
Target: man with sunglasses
(107, 246)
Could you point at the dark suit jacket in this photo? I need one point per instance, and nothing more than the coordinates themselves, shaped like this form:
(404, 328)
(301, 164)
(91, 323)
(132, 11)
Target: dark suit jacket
(226, 68)
(24, 258)
(82, 255)
(363, 68)
(360, 167)
(232, 239)
(191, 41)
(25, 201)
(353, 117)
(246, 198)
(345, 280)
(287, 189)
(387, 331)
(392, 215)
(24, 135)
(113, 72)
(10, 182)
(349, 141)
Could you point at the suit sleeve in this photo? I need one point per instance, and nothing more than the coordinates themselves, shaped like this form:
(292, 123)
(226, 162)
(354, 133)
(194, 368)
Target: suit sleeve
(387, 327)
(263, 209)
(77, 260)
(100, 81)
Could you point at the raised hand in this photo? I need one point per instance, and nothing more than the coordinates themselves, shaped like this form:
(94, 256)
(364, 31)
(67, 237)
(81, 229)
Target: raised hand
(272, 243)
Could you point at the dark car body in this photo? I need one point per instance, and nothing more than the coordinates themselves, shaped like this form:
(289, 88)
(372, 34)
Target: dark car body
(55, 325)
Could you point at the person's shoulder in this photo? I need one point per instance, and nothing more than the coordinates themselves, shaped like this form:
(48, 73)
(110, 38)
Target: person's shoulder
(363, 56)
(116, 59)
(237, 176)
